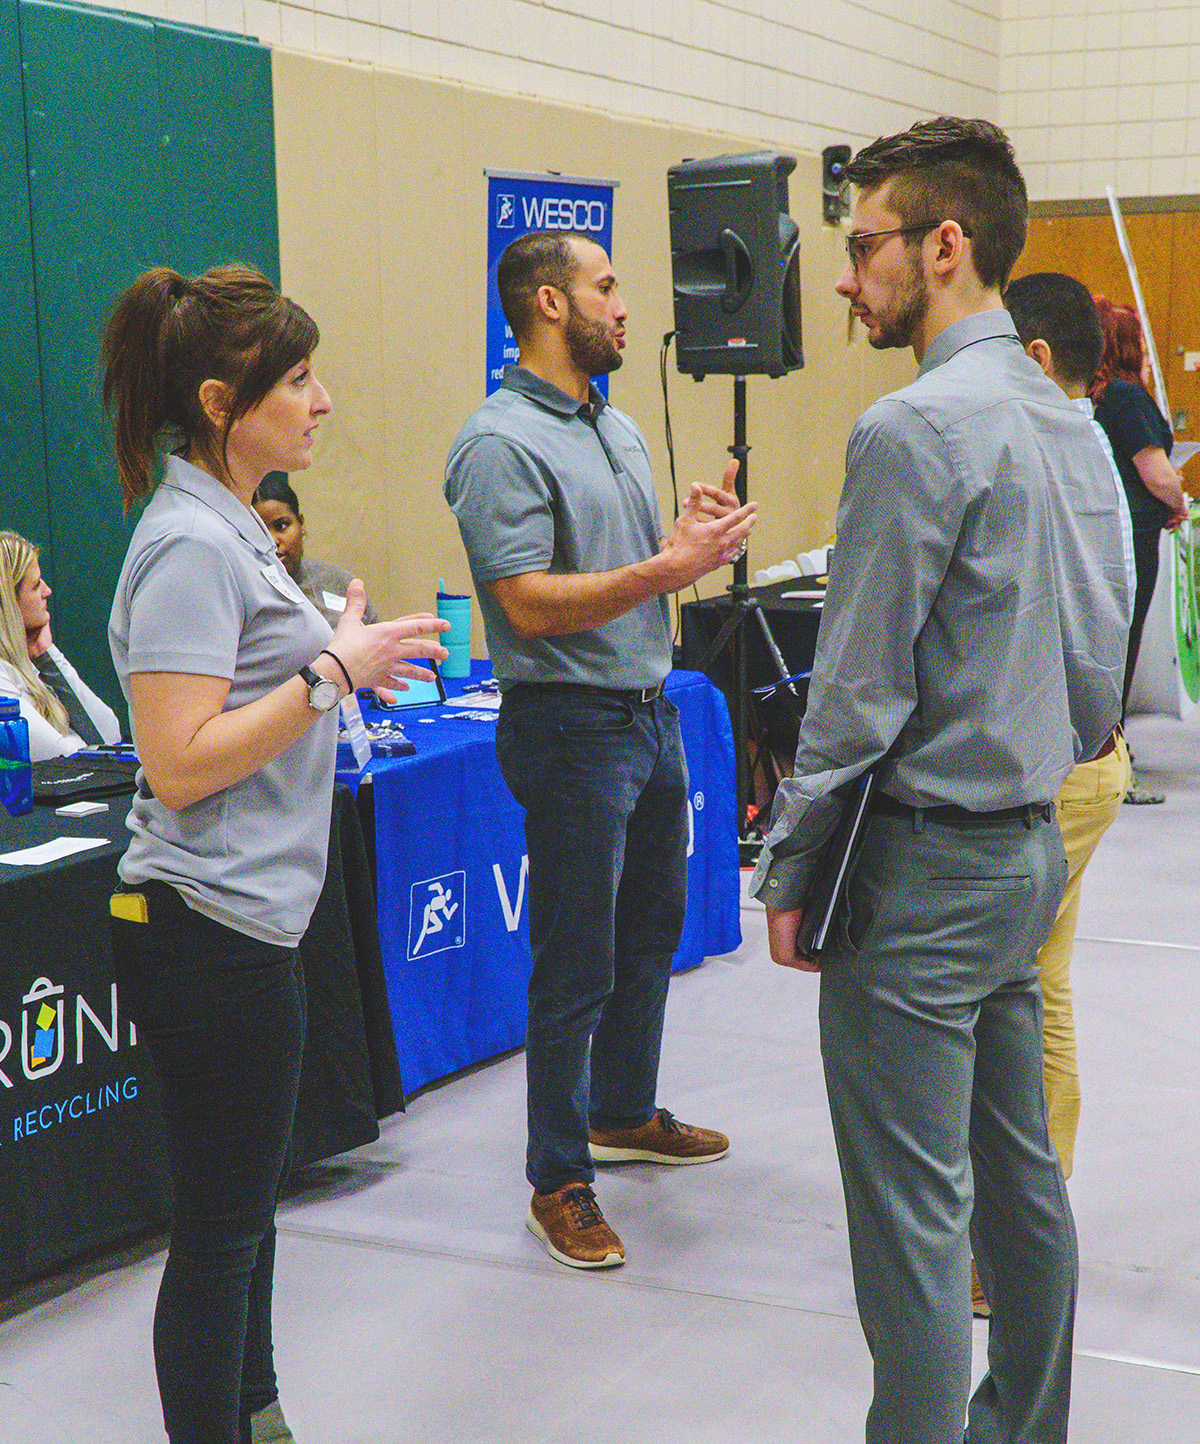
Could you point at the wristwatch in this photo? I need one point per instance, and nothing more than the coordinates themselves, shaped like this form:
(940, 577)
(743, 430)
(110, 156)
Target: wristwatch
(323, 695)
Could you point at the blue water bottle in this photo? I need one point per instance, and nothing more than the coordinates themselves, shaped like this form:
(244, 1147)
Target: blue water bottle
(16, 776)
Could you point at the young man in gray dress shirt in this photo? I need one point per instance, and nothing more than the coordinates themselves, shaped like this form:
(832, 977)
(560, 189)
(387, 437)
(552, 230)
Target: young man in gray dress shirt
(971, 651)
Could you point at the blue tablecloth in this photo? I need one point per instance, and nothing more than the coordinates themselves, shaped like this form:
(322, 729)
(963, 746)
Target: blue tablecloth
(453, 885)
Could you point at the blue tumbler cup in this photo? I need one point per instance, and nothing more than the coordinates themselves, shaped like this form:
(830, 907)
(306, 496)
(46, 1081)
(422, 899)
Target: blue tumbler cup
(457, 641)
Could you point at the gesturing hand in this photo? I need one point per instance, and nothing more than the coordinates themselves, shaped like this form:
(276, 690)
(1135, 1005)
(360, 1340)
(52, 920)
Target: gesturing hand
(379, 655)
(714, 501)
(709, 532)
(782, 930)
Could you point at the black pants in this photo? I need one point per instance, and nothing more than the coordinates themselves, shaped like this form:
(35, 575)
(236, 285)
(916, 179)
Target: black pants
(1145, 561)
(223, 1017)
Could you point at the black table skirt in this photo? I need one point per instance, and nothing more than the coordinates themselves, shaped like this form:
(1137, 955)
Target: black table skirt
(82, 1162)
(350, 1077)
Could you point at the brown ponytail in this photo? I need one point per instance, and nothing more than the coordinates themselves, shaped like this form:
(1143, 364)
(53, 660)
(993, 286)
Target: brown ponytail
(167, 336)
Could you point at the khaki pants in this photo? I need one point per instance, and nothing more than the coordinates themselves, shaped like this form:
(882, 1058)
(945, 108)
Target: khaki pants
(1086, 805)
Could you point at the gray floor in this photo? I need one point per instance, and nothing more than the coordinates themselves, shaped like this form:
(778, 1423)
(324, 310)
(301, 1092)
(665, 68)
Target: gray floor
(413, 1307)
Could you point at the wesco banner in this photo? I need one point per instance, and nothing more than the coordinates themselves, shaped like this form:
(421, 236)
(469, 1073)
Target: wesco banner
(518, 204)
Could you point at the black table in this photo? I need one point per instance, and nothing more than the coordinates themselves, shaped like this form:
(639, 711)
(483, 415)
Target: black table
(82, 1161)
(792, 611)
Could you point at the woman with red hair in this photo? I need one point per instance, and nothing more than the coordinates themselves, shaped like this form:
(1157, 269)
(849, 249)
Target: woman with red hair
(1141, 442)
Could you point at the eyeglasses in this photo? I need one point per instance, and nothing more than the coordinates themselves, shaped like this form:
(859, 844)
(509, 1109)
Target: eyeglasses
(860, 254)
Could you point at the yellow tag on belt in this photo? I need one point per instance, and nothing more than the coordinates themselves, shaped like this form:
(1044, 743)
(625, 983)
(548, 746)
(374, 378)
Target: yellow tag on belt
(130, 907)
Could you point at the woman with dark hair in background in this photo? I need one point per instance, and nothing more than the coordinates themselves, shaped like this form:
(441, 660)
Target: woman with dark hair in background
(1141, 441)
(62, 711)
(233, 682)
(323, 583)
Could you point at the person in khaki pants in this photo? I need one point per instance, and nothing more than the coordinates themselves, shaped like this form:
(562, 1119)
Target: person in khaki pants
(1086, 805)
(1055, 318)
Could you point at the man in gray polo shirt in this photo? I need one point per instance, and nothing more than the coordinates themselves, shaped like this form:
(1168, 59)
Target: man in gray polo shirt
(971, 650)
(553, 494)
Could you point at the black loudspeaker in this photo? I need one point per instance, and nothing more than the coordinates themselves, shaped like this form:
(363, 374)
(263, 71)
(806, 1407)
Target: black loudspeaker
(735, 266)
(835, 203)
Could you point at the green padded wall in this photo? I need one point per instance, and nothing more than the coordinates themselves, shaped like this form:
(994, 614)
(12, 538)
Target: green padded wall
(148, 143)
(219, 150)
(24, 507)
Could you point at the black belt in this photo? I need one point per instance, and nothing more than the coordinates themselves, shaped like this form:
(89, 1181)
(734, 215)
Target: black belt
(1109, 746)
(618, 694)
(1028, 812)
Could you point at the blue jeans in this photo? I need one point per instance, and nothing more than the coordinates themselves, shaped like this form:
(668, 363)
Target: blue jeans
(604, 786)
(223, 1017)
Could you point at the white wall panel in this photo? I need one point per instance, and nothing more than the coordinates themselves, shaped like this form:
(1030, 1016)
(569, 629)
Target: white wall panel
(1091, 88)
(751, 66)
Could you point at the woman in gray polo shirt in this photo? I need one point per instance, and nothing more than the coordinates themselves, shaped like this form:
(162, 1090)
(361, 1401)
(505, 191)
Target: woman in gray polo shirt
(232, 679)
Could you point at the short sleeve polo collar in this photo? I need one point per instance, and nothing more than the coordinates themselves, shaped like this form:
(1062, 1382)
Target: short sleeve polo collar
(545, 393)
(208, 491)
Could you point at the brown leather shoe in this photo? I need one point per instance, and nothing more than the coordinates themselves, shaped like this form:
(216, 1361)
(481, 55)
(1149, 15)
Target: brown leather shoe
(979, 1304)
(570, 1224)
(663, 1140)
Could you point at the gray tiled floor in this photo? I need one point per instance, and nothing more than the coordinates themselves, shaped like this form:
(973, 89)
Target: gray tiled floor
(412, 1306)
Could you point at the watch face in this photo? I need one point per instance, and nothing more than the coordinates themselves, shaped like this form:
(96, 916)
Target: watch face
(323, 695)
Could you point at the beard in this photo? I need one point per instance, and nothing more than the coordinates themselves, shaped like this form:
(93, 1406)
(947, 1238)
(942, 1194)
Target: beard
(907, 315)
(591, 345)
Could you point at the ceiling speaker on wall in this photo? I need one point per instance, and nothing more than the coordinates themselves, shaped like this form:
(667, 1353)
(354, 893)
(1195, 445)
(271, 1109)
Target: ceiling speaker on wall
(835, 203)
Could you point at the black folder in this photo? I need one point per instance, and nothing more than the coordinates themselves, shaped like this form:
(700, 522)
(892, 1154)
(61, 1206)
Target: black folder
(834, 868)
(82, 776)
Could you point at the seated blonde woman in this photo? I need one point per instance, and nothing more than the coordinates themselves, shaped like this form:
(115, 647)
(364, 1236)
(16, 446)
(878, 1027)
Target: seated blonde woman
(63, 713)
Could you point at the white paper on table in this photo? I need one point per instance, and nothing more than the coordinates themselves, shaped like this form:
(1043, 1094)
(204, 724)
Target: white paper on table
(477, 701)
(51, 851)
(355, 727)
(81, 809)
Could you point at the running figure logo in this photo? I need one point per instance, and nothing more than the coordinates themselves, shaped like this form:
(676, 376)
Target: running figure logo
(437, 915)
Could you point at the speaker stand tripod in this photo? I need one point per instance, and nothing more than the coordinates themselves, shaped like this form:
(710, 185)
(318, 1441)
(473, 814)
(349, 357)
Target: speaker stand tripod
(732, 636)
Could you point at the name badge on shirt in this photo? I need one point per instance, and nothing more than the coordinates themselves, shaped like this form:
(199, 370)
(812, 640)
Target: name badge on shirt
(280, 580)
